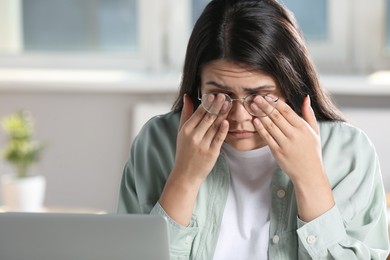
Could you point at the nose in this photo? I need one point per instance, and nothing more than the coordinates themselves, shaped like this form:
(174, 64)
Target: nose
(238, 112)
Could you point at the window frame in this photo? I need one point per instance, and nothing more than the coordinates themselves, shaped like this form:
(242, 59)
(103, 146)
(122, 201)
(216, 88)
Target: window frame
(375, 25)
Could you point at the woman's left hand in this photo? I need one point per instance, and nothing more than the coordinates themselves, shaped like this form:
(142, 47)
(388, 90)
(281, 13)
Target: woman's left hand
(296, 145)
(294, 141)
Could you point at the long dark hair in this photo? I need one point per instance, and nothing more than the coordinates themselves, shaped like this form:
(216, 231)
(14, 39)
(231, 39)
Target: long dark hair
(263, 35)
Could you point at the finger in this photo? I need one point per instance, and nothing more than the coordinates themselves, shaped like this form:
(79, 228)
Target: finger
(187, 110)
(222, 112)
(275, 123)
(268, 138)
(211, 118)
(193, 118)
(276, 130)
(286, 118)
(220, 136)
(287, 113)
(308, 114)
(201, 114)
(211, 106)
(266, 105)
(214, 128)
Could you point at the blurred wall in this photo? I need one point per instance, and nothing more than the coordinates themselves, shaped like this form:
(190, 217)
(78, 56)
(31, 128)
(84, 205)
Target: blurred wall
(88, 136)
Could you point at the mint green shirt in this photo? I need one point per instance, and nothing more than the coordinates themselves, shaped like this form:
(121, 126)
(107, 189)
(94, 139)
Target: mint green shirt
(355, 228)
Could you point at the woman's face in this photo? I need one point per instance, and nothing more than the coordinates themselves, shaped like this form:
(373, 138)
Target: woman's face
(238, 81)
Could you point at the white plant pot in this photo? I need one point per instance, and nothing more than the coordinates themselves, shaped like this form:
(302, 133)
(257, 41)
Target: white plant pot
(23, 194)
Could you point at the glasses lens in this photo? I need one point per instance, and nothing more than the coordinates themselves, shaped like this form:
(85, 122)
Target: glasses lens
(216, 104)
(249, 100)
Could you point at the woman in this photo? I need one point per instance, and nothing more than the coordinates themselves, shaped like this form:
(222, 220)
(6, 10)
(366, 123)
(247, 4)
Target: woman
(254, 161)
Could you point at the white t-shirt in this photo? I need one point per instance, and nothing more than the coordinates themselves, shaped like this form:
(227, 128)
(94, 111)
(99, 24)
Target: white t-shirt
(245, 223)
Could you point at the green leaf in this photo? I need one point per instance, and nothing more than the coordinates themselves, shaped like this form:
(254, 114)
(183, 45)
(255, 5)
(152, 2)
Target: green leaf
(20, 150)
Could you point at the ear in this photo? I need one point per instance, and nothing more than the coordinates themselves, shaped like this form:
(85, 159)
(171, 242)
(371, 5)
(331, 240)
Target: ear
(308, 114)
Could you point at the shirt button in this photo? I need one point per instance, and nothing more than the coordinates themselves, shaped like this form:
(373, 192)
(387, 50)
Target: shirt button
(275, 239)
(281, 194)
(311, 239)
(188, 239)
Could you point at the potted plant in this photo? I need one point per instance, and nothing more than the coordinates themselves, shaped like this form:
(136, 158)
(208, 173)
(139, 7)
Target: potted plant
(21, 191)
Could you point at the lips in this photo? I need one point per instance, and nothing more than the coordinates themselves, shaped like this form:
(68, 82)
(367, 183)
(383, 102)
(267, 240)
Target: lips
(241, 133)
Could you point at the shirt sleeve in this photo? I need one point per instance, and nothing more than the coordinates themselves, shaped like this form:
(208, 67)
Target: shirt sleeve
(356, 227)
(143, 180)
(180, 238)
(327, 238)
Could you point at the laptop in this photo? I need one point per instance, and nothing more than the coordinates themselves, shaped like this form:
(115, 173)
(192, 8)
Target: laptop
(59, 236)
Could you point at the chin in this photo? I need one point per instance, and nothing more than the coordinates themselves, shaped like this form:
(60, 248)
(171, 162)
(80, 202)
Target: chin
(245, 145)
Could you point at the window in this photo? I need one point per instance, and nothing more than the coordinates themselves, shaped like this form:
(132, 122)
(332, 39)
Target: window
(312, 17)
(349, 36)
(325, 26)
(197, 8)
(94, 33)
(88, 26)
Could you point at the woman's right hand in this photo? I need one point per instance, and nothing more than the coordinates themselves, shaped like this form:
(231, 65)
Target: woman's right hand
(200, 137)
(199, 142)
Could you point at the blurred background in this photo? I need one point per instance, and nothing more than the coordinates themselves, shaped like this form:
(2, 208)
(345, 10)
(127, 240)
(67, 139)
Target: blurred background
(92, 72)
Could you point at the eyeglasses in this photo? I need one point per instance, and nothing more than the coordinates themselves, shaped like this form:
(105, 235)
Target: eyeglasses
(207, 101)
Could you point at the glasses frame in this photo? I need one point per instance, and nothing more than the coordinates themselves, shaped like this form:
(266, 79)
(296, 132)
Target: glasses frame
(241, 100)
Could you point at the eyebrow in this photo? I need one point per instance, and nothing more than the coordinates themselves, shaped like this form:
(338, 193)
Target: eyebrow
(224, 87)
